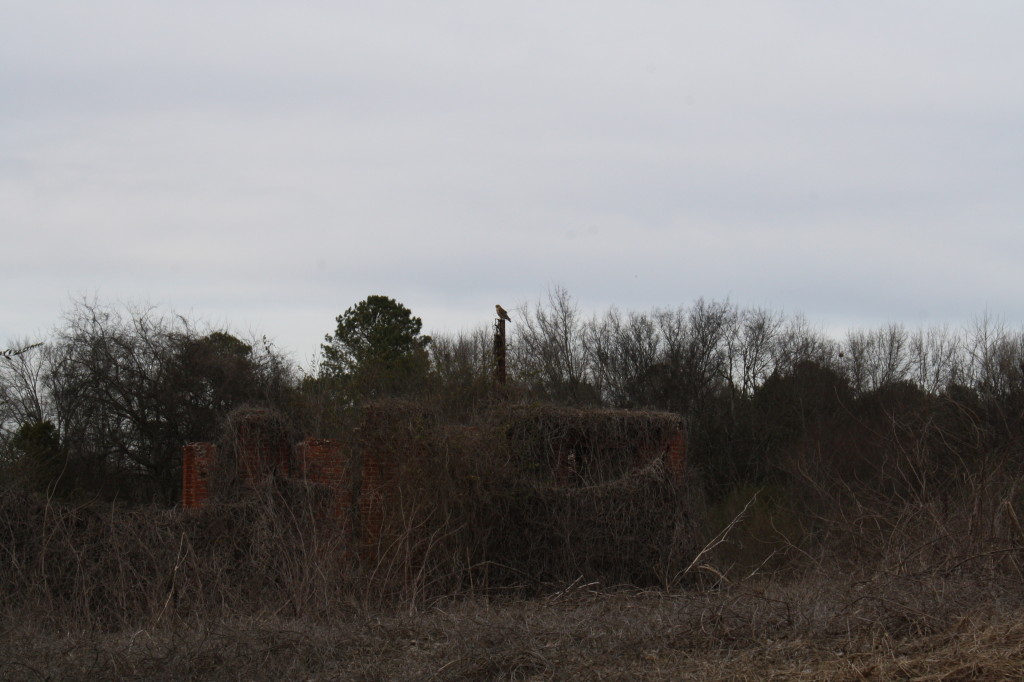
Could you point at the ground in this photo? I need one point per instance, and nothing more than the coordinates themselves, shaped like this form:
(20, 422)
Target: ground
(803, 630)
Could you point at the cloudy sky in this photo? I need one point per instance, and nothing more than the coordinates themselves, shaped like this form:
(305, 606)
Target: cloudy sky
(265, 165)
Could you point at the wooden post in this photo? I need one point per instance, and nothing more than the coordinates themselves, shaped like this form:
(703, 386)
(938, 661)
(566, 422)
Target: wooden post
(499, 352)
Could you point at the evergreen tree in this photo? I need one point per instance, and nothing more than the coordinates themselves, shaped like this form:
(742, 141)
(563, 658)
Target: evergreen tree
(376, 350)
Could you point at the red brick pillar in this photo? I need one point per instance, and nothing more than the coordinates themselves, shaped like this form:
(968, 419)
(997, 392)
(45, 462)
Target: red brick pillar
(197, 464)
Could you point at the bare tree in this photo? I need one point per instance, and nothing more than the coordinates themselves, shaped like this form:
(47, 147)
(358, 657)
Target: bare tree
(995, 355)
(125, 389)
(797, 342)
(461, 370)
(753, 345)
(935, 359)
(878, 358)
(621, 352)
(706, 366)
(549, 354)
(22, 390)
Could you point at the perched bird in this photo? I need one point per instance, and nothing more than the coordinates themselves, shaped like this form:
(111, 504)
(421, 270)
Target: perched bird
(502, 313)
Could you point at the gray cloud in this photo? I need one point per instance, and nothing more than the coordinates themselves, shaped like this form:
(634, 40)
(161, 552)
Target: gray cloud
(267, 165)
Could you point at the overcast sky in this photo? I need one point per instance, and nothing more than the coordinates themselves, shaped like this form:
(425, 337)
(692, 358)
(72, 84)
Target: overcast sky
(266, 165)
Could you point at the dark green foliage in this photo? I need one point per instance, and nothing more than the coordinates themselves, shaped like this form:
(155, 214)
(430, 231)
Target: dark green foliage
(376, 350)
(39, 456)
(805, 398)
(208, 377)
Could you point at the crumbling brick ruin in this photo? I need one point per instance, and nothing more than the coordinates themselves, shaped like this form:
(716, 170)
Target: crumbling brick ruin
(399, 452)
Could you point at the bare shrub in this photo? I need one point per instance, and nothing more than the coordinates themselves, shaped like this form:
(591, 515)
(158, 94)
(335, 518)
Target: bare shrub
(96, 566)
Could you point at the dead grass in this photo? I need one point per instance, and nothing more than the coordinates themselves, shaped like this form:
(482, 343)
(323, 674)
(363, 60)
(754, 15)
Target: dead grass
(926, 597)
(817, 627)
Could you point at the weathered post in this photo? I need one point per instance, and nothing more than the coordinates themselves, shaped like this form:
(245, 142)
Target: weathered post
(499, 352)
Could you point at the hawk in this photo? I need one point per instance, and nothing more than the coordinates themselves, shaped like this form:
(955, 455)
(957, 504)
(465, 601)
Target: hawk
(502, 313)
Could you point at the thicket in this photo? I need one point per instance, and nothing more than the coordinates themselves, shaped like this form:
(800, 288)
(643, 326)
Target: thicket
(102, 409)
(484, 508)
(891, 450)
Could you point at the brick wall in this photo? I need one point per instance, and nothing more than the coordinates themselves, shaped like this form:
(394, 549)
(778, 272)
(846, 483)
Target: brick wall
(378, 485)
(393, 442)
(322, 461)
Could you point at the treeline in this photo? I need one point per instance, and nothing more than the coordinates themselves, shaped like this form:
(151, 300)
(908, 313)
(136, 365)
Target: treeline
(768, 396)
(104, 406)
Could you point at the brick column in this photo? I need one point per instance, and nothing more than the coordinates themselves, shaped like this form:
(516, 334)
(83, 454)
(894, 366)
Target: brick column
(321, 461)
(197, 464)
(377, 486)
